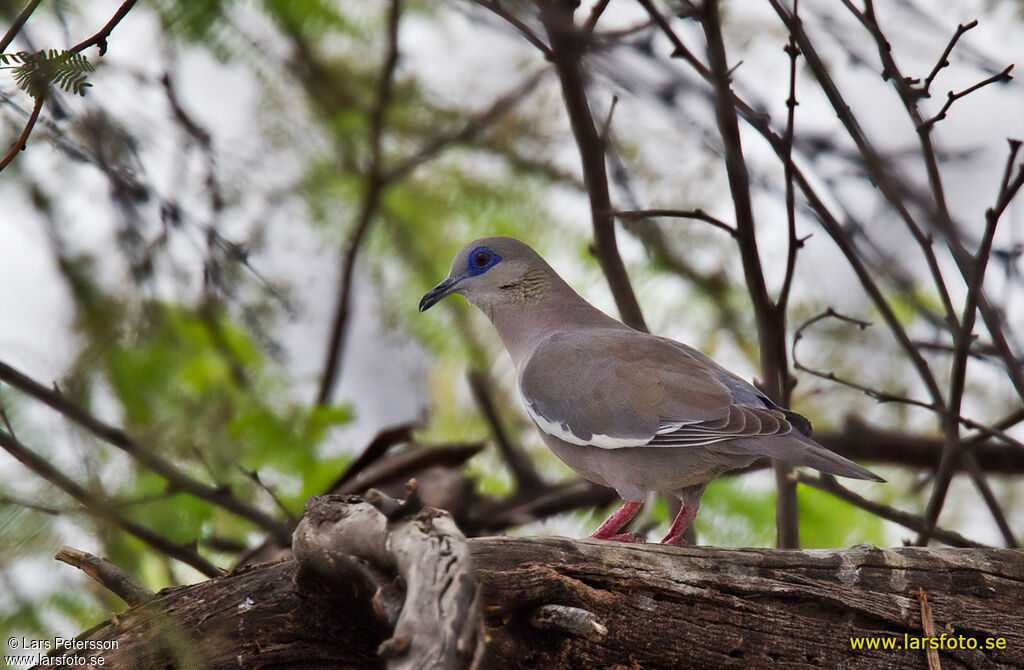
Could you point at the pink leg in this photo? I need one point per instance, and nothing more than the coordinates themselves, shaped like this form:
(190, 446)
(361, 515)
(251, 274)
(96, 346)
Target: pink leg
(686, 515)
(609, 530)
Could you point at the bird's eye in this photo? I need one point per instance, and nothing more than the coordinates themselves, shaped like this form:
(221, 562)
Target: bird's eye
(480, 260)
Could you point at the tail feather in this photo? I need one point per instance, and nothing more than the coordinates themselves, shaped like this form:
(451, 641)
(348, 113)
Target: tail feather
(798, 449)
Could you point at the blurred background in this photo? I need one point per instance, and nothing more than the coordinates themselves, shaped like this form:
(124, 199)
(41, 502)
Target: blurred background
(219, 248)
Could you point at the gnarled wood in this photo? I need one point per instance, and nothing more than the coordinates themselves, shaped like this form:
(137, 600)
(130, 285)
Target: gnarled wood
(653, 607)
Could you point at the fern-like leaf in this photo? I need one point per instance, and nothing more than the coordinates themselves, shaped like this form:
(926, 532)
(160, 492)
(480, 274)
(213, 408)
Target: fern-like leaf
(36, 71)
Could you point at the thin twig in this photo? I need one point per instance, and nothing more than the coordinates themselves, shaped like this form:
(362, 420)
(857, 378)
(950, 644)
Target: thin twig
(473, 126)
(22, 141)
(606, 127)
(35, 507)
(595, 13)
(373, 186)
(944, 58)
(19, 21)
(794, 242)
(942, 217)
(952, 97)
(697, 214)
(907, 520)
(981, 483)
(408, 463)
(98, 507)
(891, 187)
(100, 38)
(220, 496)
(513, 20)
(883, 396)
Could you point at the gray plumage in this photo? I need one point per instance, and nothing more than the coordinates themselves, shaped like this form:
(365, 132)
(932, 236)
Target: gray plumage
(624, 408)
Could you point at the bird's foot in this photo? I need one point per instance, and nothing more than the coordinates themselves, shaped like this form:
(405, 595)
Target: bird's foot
(618, 537)
(674, 540)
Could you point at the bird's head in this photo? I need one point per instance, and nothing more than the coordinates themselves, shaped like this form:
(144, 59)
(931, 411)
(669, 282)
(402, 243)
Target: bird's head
(493, 270)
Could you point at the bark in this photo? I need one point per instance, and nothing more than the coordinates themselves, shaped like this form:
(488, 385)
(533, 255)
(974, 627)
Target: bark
(558, 603)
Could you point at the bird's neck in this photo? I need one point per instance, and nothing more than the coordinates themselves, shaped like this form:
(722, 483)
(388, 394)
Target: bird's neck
(537, 307)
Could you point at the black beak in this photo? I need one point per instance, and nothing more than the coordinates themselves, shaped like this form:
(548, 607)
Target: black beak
(435, 294)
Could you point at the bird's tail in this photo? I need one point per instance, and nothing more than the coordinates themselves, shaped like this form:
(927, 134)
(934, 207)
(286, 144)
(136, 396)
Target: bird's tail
(798, 449)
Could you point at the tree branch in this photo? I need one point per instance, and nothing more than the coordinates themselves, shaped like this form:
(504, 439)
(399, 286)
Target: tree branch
(217, 495)
(567, 49)
(373, 186)
(698, 214)
(100, 38)
(98, 507)
(16, 26)
(771, 320)
(113, 578)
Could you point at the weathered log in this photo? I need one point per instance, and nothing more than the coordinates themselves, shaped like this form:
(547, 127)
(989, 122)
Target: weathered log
(649, 606)
(435, 612)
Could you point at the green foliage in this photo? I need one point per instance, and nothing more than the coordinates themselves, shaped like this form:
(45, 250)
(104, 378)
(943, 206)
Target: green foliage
(739, 511)
(36, 71)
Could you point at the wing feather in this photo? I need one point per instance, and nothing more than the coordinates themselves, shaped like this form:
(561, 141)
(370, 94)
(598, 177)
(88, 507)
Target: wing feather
(617, 388)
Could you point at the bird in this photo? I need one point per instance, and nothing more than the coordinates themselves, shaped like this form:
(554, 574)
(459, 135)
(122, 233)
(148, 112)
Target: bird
(624, 408)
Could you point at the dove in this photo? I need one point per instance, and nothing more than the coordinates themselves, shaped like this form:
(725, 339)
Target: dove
(624, 408)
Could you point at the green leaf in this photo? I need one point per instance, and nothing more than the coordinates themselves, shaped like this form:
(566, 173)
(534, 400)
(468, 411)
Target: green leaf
(36, 71)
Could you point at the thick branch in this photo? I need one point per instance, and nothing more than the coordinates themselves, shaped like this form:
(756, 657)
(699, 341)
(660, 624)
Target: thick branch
(770, 318)
(645, 606)
(567, 47)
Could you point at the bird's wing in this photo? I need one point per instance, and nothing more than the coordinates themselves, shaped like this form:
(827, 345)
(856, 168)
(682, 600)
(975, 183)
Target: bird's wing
(615, 388)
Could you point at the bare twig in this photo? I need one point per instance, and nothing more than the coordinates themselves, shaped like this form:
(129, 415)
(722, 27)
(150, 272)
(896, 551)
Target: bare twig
(794, 243)
(513, 20)
(116, 580)
(944, 58)
(406, 464)
(883, 396)
(891, 187)
(952, 97)
(943, 219)
(35, 507)
(22, 141)
(373, 186)
(697, 214)
(595, 14)
(470, 130)
(97, 506)
(100, 38)
(217, 495)
(911, 521)
(981, 483)
(19, 21)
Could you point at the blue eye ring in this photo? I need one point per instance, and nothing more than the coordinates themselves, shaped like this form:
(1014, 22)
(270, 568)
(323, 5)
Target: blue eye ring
(481, 260)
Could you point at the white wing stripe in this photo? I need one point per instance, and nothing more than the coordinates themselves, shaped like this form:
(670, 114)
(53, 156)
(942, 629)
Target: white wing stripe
(561, 432)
